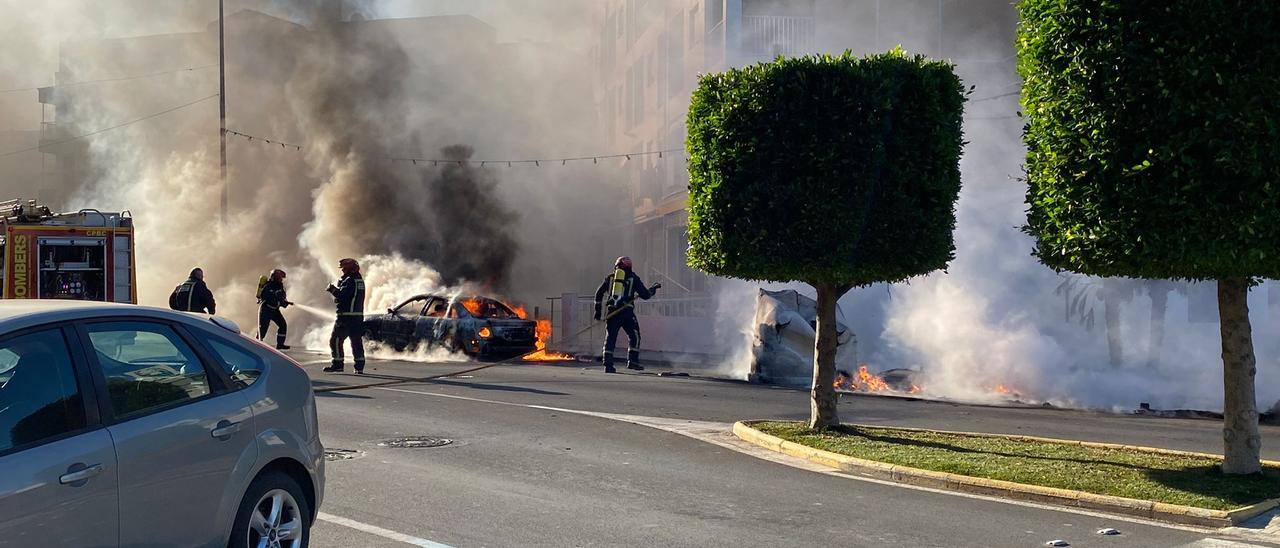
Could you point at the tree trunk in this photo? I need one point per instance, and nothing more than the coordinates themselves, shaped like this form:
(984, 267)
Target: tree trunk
(1159, 308)
(1115, 339)
(822, 395)
(1242, 444)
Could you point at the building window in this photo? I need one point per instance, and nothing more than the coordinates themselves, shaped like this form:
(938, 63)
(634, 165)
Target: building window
(693, 25)
(675, 57)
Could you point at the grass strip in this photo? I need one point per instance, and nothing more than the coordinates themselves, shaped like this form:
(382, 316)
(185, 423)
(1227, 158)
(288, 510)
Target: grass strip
(1172, 479)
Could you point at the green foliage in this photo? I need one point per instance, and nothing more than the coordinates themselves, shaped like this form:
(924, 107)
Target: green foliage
(825, 169)
(1153, 135)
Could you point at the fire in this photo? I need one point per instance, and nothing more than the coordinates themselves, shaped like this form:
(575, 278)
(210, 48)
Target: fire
(472, 305)
(541, 355)
(520, 311)
(866, 381)
(1003, 390)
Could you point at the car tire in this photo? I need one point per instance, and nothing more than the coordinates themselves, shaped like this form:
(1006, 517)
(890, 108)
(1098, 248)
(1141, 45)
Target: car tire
(257, 507)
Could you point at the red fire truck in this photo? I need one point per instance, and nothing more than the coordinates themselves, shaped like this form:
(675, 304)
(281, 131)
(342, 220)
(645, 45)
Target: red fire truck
(87, 255)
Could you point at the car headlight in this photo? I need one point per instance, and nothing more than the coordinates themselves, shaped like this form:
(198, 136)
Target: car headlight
(484, 332)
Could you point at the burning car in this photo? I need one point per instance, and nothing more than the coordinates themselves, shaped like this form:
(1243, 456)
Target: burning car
(478, 326)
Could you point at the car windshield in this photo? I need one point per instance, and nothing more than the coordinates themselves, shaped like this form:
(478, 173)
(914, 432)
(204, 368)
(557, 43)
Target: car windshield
(411, 307)
(481, 307)
(8, 359)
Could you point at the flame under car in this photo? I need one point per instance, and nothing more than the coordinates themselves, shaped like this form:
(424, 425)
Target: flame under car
(478, 326)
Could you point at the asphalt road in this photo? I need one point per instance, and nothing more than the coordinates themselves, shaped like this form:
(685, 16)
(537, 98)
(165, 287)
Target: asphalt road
(568, 456)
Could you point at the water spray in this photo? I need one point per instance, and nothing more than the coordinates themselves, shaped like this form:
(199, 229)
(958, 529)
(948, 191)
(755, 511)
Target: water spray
(319, 313)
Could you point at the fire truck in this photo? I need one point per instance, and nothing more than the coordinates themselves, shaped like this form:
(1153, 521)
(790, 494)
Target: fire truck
(87, 255)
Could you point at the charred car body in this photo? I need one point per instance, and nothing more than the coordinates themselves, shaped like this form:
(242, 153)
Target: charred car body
(478, 326)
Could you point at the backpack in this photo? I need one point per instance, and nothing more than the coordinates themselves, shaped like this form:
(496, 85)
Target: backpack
(173, 298)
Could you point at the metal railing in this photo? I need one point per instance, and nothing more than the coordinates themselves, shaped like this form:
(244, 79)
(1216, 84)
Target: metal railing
(584, 308)
(770, 36)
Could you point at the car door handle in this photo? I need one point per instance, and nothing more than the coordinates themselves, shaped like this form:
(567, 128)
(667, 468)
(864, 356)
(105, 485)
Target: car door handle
(225, 429)
(79, 476)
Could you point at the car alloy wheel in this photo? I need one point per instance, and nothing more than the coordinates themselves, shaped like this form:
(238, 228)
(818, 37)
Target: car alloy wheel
(276, 521)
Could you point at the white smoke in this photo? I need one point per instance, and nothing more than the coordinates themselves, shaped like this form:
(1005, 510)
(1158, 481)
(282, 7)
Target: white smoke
(993, 318)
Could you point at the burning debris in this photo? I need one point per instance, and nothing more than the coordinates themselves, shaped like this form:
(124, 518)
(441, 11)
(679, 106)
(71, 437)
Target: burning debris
(542, 335)
(782, 347)
(544, 355)
(899, 381)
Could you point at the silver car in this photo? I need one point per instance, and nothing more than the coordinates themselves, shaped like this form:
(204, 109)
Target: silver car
(130, 426)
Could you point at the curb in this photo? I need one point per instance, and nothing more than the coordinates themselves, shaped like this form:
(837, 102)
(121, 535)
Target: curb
(967, 484)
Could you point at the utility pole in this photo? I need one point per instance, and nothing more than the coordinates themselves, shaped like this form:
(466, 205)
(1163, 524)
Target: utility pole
(941, 55)
(222, 109)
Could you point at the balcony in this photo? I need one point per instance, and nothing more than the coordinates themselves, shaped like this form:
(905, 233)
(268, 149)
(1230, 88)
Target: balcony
(766, 36)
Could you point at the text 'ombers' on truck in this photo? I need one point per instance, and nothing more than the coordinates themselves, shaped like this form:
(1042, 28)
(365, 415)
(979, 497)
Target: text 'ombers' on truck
(85, 255)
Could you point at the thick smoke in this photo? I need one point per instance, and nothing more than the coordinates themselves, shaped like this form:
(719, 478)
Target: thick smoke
(351, 96)
(997, 317)
(458, 222)
(354, 94)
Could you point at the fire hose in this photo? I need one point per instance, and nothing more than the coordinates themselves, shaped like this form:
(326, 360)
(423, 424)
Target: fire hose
(415, 380)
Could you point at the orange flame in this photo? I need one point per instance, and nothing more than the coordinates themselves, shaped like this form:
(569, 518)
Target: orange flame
(542, 355)
(472, 305)
(866, 381)
(1006, 391)
(520, 311)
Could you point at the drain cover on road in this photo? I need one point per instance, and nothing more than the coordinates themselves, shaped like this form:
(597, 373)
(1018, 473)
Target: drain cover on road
(340, 454)
(415, 442)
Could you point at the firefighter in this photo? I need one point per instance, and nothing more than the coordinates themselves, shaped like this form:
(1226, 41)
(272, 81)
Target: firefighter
(617, 297)
(193, 295)
(271, 298)
(349, 296)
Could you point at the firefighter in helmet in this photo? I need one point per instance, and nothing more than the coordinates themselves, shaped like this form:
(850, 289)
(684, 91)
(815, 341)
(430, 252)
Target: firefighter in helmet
(271, 298)
(349, 296)
(616, 299)
(193, 295)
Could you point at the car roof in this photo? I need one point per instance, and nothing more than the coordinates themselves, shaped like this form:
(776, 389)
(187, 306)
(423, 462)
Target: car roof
(21, 313)
(448, 298)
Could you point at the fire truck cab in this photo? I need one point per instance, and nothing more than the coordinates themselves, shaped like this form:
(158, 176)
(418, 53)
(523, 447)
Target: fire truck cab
(87, 255)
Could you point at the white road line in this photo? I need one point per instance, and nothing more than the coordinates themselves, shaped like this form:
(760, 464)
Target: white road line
(375, 530)
(1219, 543)
(720, 434)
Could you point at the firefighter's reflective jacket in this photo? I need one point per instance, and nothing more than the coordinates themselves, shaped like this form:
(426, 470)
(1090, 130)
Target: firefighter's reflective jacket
(349, 296)
(273, 295)
(620, 290)
(192, 296)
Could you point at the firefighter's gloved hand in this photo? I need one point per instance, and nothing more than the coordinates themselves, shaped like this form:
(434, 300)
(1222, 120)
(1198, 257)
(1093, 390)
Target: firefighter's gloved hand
(285, 304)
(655, 288)
(331, 289)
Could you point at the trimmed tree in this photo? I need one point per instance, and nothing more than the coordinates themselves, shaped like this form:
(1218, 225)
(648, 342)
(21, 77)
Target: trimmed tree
(1153, 137)
(835, 171)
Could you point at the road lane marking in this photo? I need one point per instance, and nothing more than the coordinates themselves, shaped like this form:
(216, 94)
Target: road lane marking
(1219, 543)
(720, 434)
(375, 530)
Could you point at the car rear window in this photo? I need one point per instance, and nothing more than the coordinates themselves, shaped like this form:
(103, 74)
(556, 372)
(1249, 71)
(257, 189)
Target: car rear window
(39, 396)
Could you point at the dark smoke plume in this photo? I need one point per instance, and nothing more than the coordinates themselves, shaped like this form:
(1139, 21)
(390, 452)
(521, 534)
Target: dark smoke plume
(451, 219)
(458, 224)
